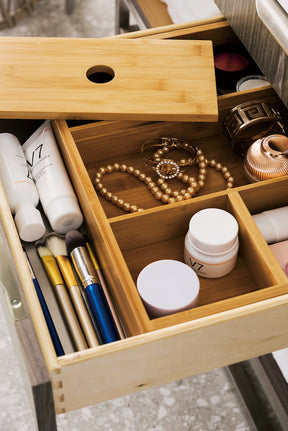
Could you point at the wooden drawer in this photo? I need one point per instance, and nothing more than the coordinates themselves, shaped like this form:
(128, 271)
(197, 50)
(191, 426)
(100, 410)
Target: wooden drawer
(240, 316)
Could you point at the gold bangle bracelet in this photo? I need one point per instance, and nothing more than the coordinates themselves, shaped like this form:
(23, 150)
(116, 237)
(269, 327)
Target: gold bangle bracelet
(154, 149)
(248, 122)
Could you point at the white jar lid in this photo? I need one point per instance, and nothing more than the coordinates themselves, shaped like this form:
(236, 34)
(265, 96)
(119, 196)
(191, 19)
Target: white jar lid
(251, 81)
(213, 230)
(168, 286)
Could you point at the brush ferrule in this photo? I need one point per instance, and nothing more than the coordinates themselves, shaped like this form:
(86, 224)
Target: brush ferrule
(83, 266)
(52, 270)
(66, 270)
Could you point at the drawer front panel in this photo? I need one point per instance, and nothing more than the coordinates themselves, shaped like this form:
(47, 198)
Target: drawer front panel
(174, 353)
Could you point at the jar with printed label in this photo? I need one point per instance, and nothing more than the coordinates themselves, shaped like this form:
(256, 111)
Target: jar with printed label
(211, 243)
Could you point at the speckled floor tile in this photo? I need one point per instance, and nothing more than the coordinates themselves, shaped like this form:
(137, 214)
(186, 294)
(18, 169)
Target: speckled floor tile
(195, 403)
(200, 403)
(90, 18)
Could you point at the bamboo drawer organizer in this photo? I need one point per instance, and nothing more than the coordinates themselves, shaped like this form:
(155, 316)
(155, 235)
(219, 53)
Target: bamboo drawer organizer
(240, 316)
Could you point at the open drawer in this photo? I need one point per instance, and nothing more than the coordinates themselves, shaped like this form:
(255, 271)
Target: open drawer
(240, 316)
(262, 26)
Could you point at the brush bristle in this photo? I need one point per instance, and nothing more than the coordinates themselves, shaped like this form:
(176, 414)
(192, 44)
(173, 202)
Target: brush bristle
(56, 244)
(42, 249)
(74, 239)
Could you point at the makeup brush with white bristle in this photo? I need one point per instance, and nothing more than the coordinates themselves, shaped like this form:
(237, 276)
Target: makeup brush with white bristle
(57, 246)
(56, 280)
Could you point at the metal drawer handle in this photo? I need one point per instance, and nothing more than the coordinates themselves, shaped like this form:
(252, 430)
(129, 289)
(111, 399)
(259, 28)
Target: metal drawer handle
(9, 281)
(275, 18)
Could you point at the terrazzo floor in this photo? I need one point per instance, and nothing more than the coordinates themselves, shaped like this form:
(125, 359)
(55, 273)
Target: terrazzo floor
(204, 402)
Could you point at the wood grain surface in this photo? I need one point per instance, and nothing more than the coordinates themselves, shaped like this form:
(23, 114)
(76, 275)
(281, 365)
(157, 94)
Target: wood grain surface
(67, 78)
(154, 12)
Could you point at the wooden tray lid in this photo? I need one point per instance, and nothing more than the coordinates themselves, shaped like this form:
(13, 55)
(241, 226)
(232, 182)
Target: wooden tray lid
(105, 79)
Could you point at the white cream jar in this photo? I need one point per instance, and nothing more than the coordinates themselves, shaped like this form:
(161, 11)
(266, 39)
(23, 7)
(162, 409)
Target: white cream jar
(211, 243)
(168, 286)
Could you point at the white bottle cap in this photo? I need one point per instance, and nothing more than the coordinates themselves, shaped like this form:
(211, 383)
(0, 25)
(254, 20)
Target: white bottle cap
(266, 227)
(168, 286)
(273, 224)
(64, 214)
(29, 223)
(213, 230)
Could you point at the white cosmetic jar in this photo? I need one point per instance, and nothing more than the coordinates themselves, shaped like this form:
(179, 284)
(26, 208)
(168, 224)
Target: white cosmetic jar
(211, 243)
(168, 286)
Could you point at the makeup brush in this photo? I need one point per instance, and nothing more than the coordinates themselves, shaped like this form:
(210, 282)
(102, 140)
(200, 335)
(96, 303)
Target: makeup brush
(56, 280)
(49, 321)
(101, 280)
(77, 249)
(57, 246)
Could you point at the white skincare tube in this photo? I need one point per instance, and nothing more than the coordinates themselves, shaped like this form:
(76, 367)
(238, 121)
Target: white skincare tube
(56, 193)
(20, 190)
(273, 224)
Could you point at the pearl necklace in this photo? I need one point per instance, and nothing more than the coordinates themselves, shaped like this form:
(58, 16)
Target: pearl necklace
(160, 189)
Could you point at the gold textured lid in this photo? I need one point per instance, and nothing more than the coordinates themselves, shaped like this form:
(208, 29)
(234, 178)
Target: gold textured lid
(267, 158)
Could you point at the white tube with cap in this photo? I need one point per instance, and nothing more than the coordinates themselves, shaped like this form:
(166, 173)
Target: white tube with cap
(20, 190)
(273, 224)
(56, 193)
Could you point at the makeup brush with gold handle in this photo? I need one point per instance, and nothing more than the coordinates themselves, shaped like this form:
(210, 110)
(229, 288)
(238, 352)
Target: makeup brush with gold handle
(57, 246)
(55, 278)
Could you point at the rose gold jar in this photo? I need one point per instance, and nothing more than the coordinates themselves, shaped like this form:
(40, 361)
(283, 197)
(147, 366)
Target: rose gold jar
(267, 158)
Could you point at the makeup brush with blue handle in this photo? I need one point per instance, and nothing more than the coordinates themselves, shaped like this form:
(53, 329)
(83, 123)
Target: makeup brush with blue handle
(50, 324)
(76, 248)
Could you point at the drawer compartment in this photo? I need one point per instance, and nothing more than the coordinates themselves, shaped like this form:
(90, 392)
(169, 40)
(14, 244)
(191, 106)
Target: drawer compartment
(240, 316)
(160, 235)
(243, 302)
(158, 232)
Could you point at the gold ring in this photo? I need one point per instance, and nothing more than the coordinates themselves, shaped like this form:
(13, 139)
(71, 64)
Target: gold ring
(167, 169)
